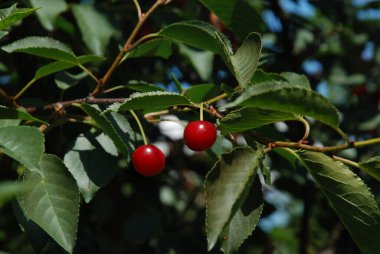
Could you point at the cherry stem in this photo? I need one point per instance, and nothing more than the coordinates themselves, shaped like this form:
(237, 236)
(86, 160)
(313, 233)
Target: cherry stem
(307, 129)
(140, 126)
(201, 111)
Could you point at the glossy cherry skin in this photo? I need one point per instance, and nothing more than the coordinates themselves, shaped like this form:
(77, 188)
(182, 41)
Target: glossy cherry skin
(148, 160)
(199, 135)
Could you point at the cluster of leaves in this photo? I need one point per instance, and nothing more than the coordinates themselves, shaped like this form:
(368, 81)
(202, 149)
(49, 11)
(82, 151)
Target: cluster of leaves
(50, 187)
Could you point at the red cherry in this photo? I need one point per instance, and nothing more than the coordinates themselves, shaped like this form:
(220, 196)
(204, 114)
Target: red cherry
(148, 160)
(199, 135)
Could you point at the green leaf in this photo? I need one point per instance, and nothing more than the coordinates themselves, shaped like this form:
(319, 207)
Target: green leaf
(11, 15)
(95, 28)
(49, 11)
(202, 61)
(371, 167)
(245, 219)
(2, 34)
(202, 92)
(297, 79)
(11, 113)
(226, 186)
(238, 15)
(153, 48)
(350, 198)
(54, 201)
(124, 147)
(252, 118)
(63, 65)
(244, 62)
(37, 236)
(43, 47)
(195, 33)
(24, 144)
(92, 160)
(65, 80)
(288, 98)
(150, 100)
(142, 86)
(262, 76)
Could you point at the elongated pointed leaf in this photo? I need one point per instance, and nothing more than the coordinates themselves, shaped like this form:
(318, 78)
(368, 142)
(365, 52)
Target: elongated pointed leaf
(245, 219)
(10, 113)
(43, 47)
(63, 65)
(11, 15)
(372, 167)
(350, 198)
(244, 62)
(24, 144)
(238, 15)
(150, 100)
(54, 201)
(226, 187)
(124, 147)
(288, 98)
(2, 34)
(251, 118)
(49, 11)
(195, 33)
(95, 28)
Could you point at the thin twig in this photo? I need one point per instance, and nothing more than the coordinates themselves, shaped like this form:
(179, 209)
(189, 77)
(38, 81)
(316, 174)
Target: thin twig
(138, 8)
(346, 161)
(89, 73)
(127, 46)
(307, 130)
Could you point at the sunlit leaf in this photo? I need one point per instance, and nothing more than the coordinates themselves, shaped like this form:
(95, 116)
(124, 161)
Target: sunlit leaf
(11, 15)
(350, 198)
(226, 188)
(53, 202)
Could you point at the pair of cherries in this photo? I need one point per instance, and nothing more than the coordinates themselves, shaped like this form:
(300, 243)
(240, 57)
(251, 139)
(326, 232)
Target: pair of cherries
(148, 160)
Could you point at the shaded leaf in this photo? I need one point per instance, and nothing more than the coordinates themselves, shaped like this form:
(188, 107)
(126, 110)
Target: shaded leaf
(143, 87)
(202, 61)
(49, 11)
(24, 144)
(65, 80)
(371, 167)
(226, 186)
(202, 92)
(245, 219)
(43, 47)
(92, 160)
(153, 48)
(252, 118)
(54, 201)
(124, 147)
(150, 100)
(11, 15)
(244, 62)
(95, 28)
(238, 15)
(11, 113)
(195, 33)
(37, 236)
(350, 198)
(288, 98)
